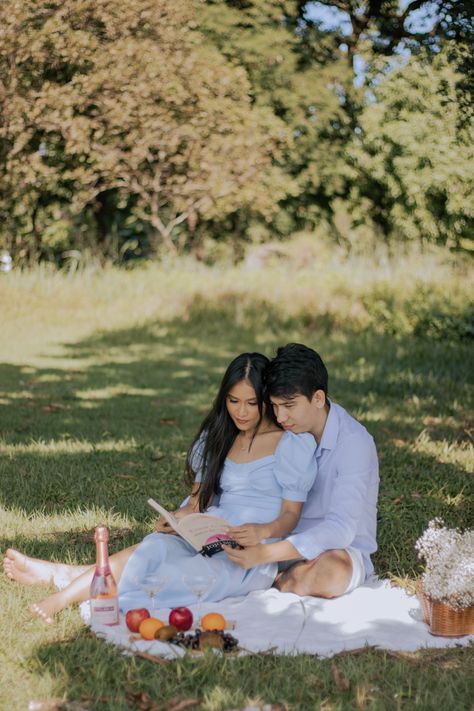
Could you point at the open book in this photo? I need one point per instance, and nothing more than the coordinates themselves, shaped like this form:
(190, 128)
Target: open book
(202, 531)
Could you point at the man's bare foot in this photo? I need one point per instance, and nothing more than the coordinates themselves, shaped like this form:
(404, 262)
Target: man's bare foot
(47, 608)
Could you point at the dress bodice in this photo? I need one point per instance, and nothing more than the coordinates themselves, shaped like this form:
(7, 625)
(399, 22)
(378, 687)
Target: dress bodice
(250, 492)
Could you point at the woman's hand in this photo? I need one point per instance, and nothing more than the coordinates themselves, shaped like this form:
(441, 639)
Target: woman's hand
(161, 526)
(248, 534)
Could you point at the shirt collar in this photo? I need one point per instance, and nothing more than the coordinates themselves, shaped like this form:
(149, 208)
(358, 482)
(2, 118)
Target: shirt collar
(331, 430)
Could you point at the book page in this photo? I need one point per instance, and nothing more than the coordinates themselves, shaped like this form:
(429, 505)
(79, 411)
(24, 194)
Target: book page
(197, 528)
(169, 518)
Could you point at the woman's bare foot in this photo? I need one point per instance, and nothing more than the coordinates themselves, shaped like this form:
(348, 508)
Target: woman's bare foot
(49, 607)
(34, 571)
(29, 571)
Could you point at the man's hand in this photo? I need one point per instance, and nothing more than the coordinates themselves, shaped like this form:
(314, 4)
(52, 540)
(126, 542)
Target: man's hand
(246, 558)
(248, 534)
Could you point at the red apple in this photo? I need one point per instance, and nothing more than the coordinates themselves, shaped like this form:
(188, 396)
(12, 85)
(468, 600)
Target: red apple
(181, 618)
(133, 618)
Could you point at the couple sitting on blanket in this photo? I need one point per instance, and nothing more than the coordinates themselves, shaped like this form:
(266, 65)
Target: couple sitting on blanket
(293, 473)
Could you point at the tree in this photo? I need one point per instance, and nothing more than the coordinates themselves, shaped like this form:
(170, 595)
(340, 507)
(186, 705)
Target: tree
(385, 23)
(100, 98)
(414, 168)
(301, 74)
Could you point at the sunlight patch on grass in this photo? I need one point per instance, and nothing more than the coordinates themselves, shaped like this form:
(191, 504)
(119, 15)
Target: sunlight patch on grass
(67, 446)
(446, 451)
(114, 391)
(38, 525)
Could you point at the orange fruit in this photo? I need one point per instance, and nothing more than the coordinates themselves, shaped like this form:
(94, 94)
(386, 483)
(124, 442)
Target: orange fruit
(149, 627)
(213, 621)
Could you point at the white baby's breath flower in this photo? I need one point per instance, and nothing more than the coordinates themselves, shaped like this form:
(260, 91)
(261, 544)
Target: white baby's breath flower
(449, 557)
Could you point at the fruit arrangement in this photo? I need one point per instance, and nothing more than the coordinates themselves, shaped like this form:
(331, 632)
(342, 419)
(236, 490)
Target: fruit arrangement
(199, 640)
(212, 634)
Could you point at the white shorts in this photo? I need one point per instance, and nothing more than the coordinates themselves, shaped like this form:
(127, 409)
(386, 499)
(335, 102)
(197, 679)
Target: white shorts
(358, 569)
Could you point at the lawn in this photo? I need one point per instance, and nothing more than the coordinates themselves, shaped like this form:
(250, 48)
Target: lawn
(105, 376)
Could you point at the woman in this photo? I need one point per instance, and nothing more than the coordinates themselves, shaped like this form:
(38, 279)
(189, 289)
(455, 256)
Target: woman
(245, 469)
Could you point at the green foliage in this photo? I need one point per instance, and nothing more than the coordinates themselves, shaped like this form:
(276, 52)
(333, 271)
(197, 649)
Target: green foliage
(414, 167)
(303, 77)
(424, 311)
(99, 99)
(160, 127)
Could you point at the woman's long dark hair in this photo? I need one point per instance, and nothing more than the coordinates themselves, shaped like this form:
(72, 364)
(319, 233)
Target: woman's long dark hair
(218, 430)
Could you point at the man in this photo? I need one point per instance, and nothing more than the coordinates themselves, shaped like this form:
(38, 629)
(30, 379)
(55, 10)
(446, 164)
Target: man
(328, 553)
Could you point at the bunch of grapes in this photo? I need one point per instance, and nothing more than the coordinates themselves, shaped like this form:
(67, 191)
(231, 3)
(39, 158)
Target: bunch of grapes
(199, 640)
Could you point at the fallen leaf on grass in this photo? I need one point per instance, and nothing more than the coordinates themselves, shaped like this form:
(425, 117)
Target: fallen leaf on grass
(340, 679)
(265, 707)
(415, 495)
(140, 700)
(398, 500)
(127, 476)
(358, 650)
(412, 657)
(150, 657)
(177, 704)
(144, 702)
(450, 664)
(168, 421)
(53, 407)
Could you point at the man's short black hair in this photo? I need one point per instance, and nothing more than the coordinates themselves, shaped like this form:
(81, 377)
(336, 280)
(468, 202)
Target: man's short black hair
(296, 370)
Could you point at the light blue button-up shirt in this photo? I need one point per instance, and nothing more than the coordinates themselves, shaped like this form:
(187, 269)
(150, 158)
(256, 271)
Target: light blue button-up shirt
(341, 508)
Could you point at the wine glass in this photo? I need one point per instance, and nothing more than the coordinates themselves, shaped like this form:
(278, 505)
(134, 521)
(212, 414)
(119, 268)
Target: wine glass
(152, 584)
(199, 584)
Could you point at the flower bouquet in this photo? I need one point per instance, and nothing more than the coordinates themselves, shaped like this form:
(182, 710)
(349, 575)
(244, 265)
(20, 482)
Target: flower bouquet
(446, 589)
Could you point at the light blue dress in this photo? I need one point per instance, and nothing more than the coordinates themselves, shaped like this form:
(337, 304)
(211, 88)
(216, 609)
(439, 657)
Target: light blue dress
(252, 492)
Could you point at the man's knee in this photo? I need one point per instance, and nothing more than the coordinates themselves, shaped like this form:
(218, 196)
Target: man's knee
(326, 576)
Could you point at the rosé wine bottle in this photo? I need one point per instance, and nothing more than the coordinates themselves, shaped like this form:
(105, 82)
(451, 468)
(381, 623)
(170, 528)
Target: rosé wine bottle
(103, 593)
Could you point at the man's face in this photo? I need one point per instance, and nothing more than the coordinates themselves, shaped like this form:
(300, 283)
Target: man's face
(297, 413)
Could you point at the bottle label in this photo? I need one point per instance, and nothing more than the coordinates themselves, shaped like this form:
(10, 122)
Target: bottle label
(105, 612)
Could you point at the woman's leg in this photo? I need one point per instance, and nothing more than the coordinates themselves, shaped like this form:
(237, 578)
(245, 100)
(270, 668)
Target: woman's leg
(78, 589)
(35, 571)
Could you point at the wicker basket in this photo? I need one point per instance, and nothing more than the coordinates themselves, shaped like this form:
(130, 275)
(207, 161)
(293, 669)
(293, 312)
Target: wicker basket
(444, 621)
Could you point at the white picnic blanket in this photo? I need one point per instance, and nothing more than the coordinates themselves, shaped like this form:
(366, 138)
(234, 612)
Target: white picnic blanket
(374, 614)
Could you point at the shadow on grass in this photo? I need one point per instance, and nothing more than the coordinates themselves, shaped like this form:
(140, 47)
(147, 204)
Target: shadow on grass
(114, 427)
(88, 670)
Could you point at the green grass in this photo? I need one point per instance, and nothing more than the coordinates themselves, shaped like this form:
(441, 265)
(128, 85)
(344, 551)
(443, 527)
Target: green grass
(104, 378)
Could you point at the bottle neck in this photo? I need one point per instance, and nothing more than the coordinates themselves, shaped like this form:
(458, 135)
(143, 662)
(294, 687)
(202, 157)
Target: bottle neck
(102, 552)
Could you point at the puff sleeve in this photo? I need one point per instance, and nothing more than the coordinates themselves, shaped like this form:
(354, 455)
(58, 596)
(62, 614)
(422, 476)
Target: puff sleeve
(295, 465)
(196, 459)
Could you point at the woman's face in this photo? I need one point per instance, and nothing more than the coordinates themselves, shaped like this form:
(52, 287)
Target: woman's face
(242, 406)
